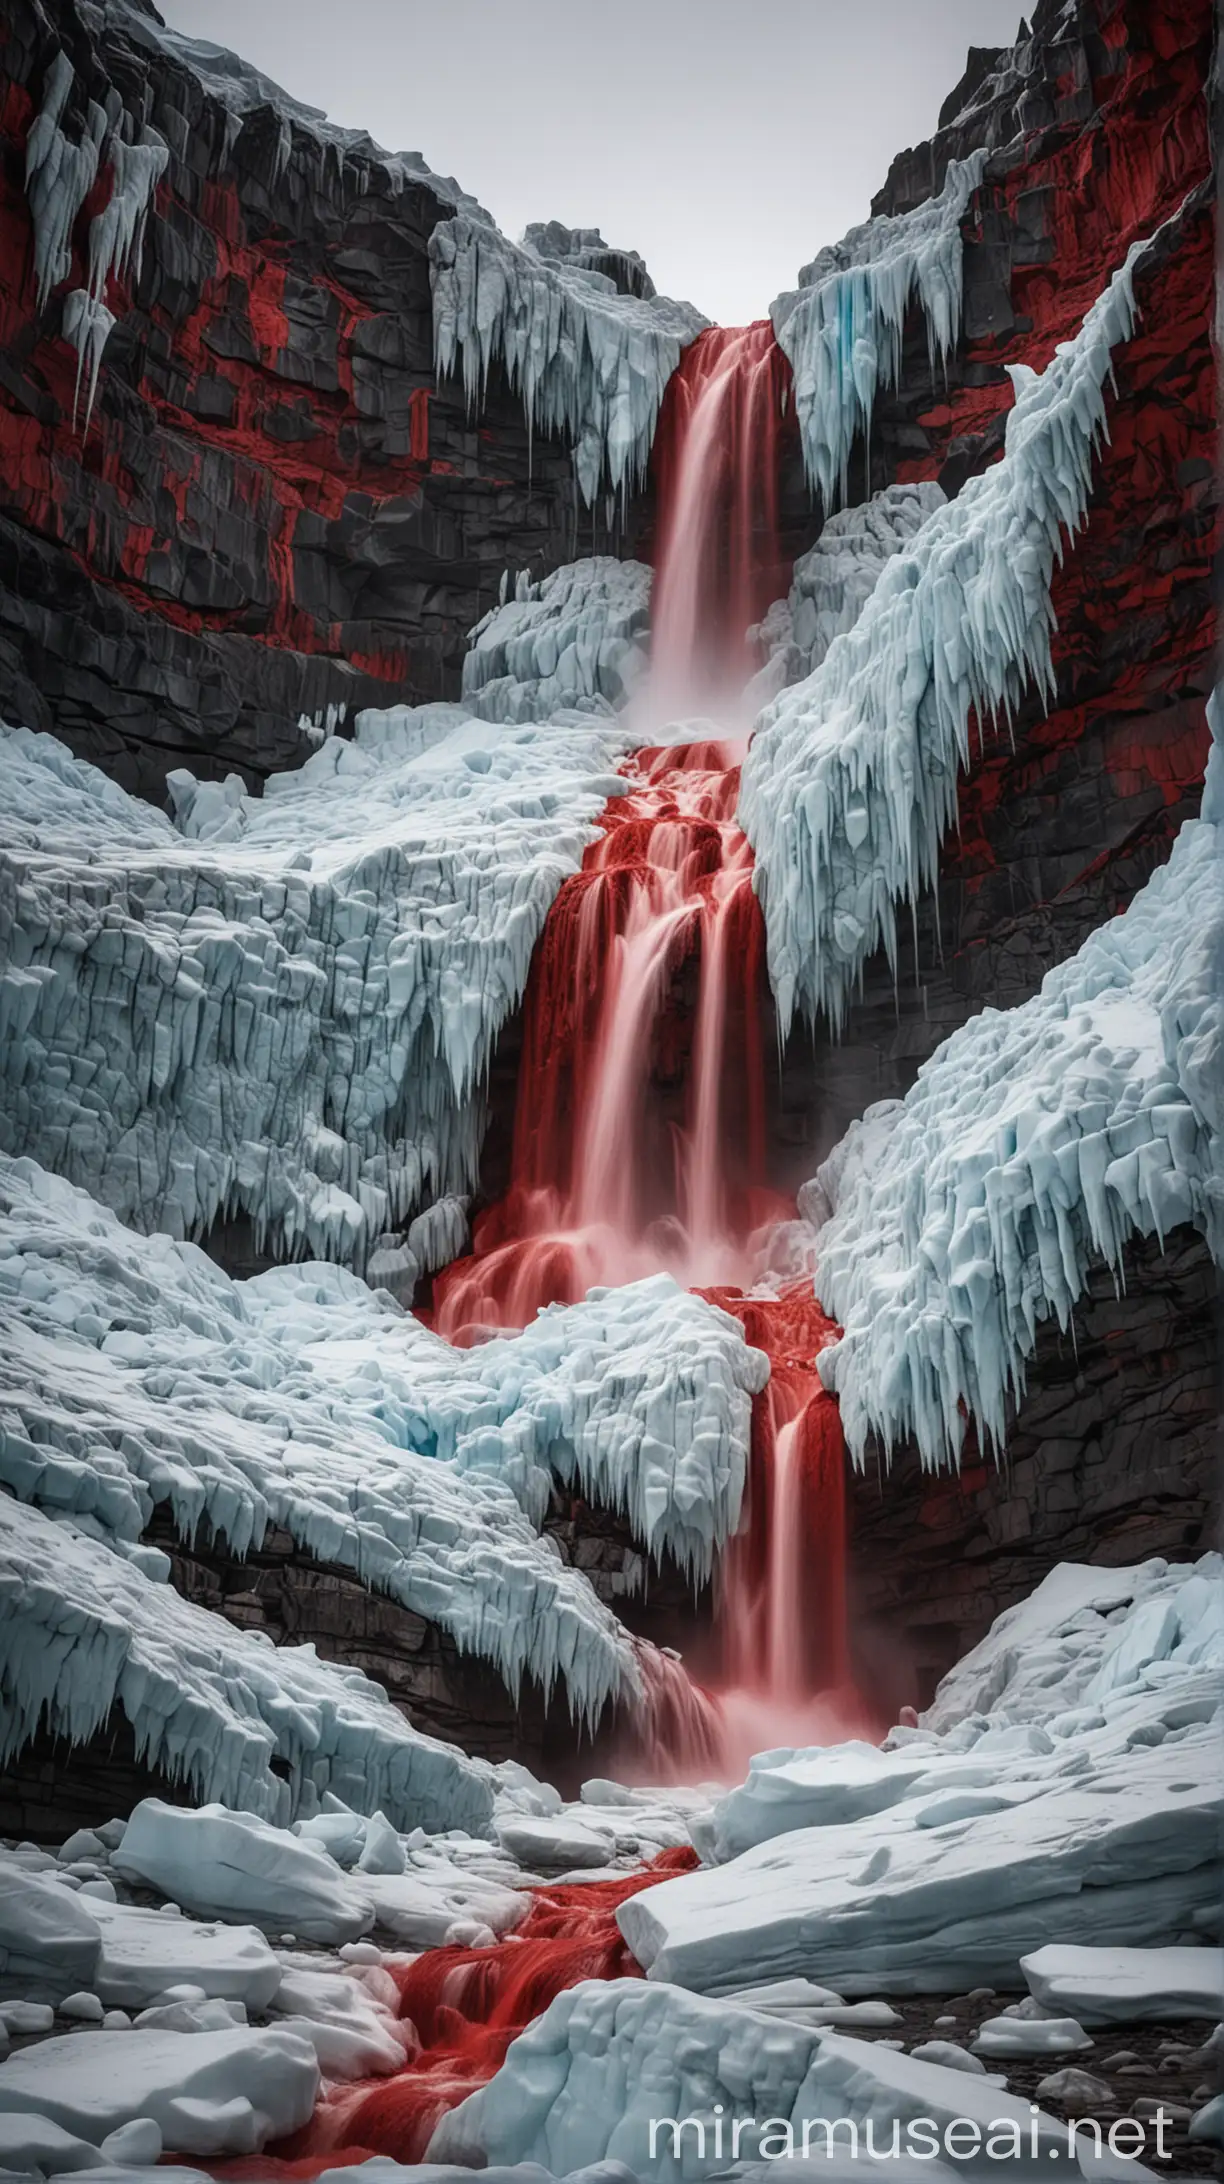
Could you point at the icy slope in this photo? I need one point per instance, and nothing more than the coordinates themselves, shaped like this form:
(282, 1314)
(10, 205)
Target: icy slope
(82, 1630)
(290, 1014)
(134, 1371)
(1034, 1141)
(850, 780)
(832, 582)
(1089, 1773)
(842, 327)
(575, 638)
(588, 362)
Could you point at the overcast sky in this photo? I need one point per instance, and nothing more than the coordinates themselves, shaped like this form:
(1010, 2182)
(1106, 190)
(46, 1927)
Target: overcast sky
(727, 140)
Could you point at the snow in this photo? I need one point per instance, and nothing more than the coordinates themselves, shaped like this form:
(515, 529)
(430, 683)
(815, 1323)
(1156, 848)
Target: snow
(842, 327)
(572, 639)
(850, 781)
(1117, 1986)
(556, 1845)
(133, 1371)
(587, 361)
(1000, 2038)
(1077, 1752)
(48, 1939)
(286, 1009)
(832, 582)
(211, 2093)
(1035, 1141)
(82, 1630)
(33, 2145)
(234, 1865)
(141, 1956)
(353, 2035)
(585, 2081)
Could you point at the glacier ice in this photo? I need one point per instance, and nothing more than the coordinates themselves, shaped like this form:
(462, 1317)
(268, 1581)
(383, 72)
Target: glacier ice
(1034, 1142)
(1077, 1750)
(608, 2059)
(58, 175)
(286, 1009)
(842, 327)
(587, 361)
(1120, 1986)
(573, 639)
(851, 778)
(234, 1865)
(832, 582)
(210, 2093)
(83, 1630)
(134, 1371)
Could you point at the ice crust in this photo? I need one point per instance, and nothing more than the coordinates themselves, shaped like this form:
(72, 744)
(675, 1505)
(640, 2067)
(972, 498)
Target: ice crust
(285, 1009)
(832, 582)
(1035, 1141)
(574, 639)
(1076, 1751)
(584, 2082)
(588, 362)
(83, 1630)
(842, 327)
(850, 781)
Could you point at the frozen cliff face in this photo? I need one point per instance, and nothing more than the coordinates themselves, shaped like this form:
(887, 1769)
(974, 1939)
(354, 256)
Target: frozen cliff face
(588, 361)
(134, 1372)
(290, 1014)
(842, 326)
(1034, 1141)
(576, 639)
(586, 248)
(833, 581)
(851, 779)
(84, 1630)
(1076, 1751)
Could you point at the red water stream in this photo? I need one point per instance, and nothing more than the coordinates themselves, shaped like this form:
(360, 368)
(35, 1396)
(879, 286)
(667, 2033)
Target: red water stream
(640, 1147)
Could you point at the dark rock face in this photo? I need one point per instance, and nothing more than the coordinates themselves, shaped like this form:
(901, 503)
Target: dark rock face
(275, 508)
(1114, 1455)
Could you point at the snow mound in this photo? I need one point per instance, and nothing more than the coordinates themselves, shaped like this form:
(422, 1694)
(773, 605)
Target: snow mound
(850, 780)
(1077, 1749)
(211, 2093)
(842, 327)
(588, 361)
(1034, 1142)
(83, 1630)
(288, 1015)
(574, 639)
(607, 2060)
(832, 582)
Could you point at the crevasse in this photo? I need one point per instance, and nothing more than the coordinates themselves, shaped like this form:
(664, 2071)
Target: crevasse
(851, 779)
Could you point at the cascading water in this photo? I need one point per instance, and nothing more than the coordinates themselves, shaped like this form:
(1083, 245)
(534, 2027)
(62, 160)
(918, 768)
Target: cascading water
(611, 1178)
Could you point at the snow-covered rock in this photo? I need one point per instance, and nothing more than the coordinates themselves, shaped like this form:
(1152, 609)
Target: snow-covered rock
(210, 2093)
(607, 2060)
(574, 639)
(1064, 1781)
(1034, 1142)
(1120, 1986)
(842, 327)
(1002, 2037)
(588, 362)
(850, 781)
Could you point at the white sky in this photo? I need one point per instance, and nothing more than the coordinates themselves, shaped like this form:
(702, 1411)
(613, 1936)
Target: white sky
(727, 140)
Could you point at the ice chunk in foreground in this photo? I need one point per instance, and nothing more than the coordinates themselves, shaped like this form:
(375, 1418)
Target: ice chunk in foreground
(1122, 1986)
(211, 2093)
(234, 1865)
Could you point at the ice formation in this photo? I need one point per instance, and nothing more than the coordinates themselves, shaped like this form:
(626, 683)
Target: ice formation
(210, 2093)
(588, 361)
(1077, 1749)
(134, 1371)
(287, 1015)
(1118, 1986)
(833, 581)
(84, 1630)
(842, 326)
(850, 782)
(608, 2059)
(1035, 1141)
(59, 177)
(574, 639)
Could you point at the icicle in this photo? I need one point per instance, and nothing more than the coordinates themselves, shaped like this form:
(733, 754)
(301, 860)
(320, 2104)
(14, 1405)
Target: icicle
(58, 176)
(87, 325)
